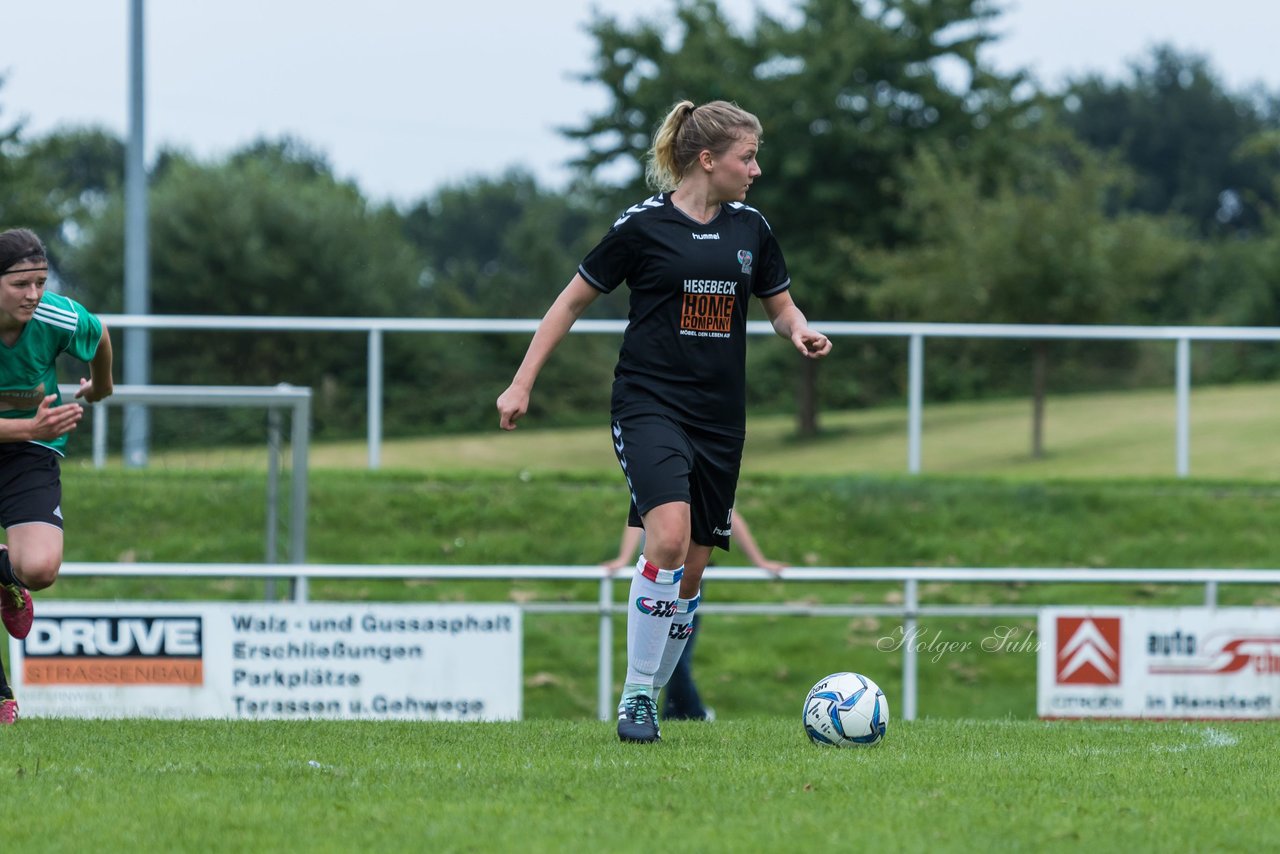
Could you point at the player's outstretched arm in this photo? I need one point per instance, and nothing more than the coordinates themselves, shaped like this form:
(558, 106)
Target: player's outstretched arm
(555, 324)
(789, 322)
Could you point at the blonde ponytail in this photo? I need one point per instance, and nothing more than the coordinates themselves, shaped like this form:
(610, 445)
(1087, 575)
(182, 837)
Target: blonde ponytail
(689, 130)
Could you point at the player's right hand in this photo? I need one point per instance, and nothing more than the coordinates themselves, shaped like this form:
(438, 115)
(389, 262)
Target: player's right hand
(51, 421)
(512, 404)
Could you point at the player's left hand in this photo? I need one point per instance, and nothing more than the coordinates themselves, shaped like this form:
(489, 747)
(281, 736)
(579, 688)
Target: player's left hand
(811, 343)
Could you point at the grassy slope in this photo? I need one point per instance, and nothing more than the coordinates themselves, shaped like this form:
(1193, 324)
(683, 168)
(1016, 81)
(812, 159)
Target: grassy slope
(1099, 435)
(406, 517)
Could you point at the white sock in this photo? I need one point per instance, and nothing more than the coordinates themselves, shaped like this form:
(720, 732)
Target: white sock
(677, 638)
(652, 601)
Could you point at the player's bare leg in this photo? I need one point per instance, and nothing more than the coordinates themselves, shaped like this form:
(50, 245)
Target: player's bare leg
(30, 561)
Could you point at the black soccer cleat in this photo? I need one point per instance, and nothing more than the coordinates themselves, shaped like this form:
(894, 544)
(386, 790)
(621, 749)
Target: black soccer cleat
(638, 720)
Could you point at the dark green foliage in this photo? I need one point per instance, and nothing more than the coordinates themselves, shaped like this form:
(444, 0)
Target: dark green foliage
(498, 247)
(501, 248)
(270, 232)
(1189, 140)
(1037, 244)
(58, 183)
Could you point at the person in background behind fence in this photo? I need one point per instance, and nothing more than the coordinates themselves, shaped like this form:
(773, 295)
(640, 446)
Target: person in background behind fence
(35, 328)
(682, 700)
(692, 257)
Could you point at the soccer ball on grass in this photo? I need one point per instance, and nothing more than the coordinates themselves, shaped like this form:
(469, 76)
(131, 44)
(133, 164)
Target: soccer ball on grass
(846, 710)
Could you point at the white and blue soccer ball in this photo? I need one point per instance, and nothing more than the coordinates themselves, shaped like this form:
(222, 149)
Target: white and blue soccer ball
(846, 710)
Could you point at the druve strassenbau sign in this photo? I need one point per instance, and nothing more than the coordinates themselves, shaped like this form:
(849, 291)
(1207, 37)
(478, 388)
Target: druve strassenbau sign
(270, 661)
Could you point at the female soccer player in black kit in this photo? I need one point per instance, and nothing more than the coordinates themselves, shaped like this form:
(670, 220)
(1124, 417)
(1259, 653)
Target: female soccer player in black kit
(692, 256)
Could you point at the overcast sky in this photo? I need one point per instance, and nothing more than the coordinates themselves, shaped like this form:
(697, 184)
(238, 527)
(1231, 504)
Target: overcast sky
(404, 96)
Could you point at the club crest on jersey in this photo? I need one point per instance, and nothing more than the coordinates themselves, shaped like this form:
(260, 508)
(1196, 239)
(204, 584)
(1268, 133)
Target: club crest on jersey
(656, 607)
(744, 257)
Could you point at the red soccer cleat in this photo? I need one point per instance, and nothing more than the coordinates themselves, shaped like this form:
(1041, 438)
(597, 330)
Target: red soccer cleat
(16, 610)
(8, 712)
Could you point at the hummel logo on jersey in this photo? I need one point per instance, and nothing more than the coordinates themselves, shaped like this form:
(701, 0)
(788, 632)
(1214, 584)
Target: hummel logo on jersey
(715, 235)
(651, 202)
(739, 206)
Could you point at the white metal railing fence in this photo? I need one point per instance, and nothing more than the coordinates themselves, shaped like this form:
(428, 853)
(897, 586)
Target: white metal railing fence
(606, 607)
(914, 333)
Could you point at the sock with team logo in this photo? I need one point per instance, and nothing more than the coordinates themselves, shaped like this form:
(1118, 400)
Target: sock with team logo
(651, 605)
(677, 638)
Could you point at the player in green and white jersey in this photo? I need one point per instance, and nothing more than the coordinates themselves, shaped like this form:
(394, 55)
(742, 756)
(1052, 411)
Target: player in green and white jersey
(35, 328)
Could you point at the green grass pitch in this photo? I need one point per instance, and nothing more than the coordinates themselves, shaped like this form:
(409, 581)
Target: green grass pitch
(732, 785)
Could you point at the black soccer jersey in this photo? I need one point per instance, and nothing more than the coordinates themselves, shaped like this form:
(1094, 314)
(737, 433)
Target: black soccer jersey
(684, 351)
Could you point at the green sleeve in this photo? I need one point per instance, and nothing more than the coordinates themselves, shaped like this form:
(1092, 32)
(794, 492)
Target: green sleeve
(84, 341)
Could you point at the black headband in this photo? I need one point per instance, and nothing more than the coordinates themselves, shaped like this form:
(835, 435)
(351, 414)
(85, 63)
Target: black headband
(25, 270)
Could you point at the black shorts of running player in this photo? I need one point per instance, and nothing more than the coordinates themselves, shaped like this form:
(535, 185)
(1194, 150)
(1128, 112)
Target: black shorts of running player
(665, 460)
(30, 485)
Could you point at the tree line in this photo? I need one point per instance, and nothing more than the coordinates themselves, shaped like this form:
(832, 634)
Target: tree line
(906, 177)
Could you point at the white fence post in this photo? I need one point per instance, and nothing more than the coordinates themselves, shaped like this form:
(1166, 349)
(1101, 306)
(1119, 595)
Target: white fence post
(273, 497)
(301, 441)
(1184, 407)
(910, 665)
(915, 400)
(99, 411)
(375, 399)
(604, 671)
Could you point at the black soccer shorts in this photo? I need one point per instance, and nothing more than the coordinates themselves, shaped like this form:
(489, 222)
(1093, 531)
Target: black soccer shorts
(666, 460)
(30, 485)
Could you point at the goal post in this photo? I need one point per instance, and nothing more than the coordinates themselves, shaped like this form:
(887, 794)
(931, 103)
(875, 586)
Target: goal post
(275, 399)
